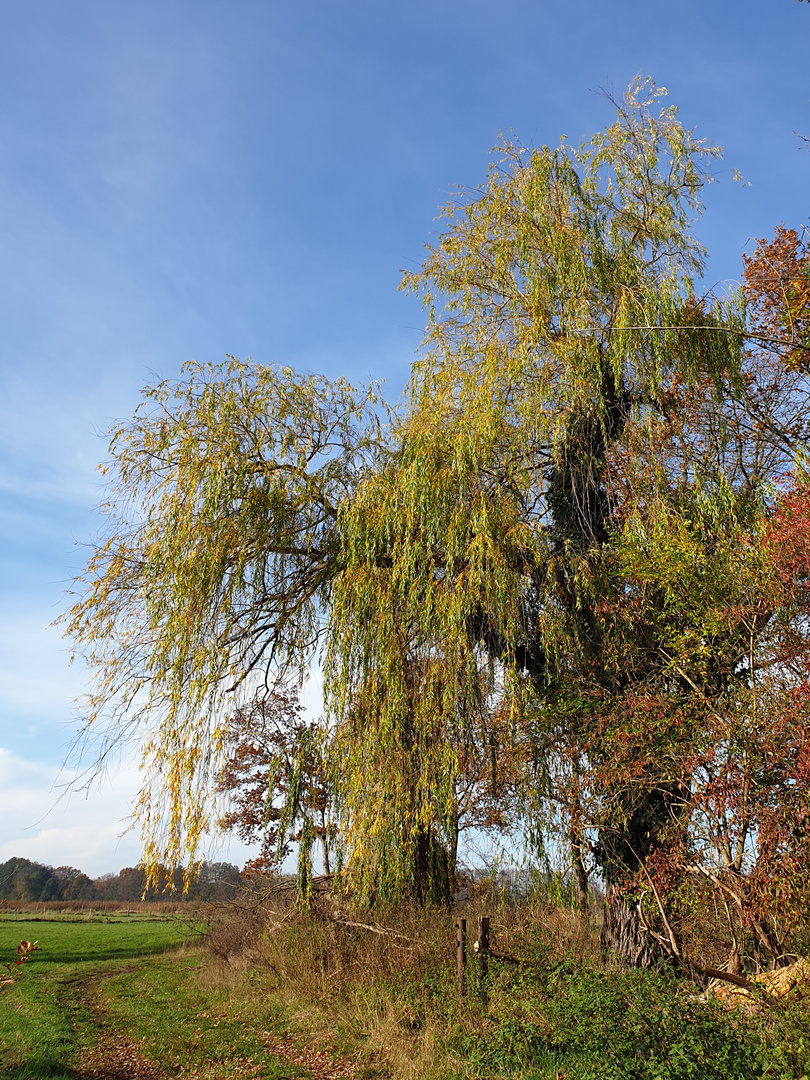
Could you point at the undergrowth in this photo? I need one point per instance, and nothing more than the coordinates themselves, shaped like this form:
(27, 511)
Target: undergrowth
(383, 990)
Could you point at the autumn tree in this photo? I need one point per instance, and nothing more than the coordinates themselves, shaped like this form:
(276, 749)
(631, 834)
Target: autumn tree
(575, 393)
(257, 508)
(574, 387)
(223, 543)
(721, 737)
(275, 778)
(707, 633)
(562, 320)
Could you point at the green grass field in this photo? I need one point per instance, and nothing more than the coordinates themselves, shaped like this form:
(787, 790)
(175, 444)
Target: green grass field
(112, 998)
(103, 990)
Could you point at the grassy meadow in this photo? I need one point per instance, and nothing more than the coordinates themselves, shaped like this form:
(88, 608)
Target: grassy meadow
(269, 992)
(105, 991)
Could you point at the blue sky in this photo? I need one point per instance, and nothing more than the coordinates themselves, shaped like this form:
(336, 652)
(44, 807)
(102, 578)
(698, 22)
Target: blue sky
(183, 180)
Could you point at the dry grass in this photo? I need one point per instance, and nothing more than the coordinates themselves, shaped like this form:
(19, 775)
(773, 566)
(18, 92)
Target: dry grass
(146, 909)
(384, 982)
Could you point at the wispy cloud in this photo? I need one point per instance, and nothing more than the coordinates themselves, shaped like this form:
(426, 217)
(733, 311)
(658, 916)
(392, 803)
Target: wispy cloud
(46, 820)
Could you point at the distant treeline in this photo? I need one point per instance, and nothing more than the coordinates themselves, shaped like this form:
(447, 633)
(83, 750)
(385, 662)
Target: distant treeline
(32, 882)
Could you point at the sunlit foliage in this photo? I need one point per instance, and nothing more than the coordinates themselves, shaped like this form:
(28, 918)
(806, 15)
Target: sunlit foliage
(553, 559)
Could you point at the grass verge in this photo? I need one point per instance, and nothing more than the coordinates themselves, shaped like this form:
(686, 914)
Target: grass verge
(101, 993)
(555, 1011)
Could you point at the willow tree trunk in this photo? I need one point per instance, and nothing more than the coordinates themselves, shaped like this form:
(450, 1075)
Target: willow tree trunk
(430, 871)
(622, 933)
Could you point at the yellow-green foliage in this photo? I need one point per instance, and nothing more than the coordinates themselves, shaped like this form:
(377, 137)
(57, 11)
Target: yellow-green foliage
(253, 509)
(558, 295)
(224, 495)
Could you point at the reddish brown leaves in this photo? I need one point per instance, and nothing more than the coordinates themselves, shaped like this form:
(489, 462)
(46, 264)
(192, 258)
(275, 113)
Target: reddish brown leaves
(776, 284)
(24, 950)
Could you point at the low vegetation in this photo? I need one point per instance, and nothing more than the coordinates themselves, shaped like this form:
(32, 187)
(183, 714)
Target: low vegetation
(264, 989)
(381, 991)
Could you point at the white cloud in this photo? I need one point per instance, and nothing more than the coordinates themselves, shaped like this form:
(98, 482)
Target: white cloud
(43, 820)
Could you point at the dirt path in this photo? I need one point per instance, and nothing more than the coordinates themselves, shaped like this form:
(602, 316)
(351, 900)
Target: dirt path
(115, 1056)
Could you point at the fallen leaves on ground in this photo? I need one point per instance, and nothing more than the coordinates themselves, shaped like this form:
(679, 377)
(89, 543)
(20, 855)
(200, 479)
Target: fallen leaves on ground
(319, 1063)
(116, 1057)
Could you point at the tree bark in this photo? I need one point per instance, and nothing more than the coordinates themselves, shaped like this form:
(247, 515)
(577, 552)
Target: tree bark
(581, 874)
(622, 932)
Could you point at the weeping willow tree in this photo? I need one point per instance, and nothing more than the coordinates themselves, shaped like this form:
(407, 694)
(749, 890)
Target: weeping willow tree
(562, 317)
(450, 561)
(222, 544)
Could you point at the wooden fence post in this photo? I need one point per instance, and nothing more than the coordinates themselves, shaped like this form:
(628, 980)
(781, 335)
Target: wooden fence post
(482, 948)
(461, 957)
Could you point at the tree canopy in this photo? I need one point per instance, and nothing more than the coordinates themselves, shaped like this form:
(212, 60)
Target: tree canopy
(556, 553)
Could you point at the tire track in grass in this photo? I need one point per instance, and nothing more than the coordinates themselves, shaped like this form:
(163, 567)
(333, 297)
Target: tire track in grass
(113, 1055)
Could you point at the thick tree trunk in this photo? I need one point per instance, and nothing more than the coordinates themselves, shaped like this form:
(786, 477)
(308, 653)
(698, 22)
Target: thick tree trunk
(583, 900)
(623, 934)
(431, 871)
(623, 847)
